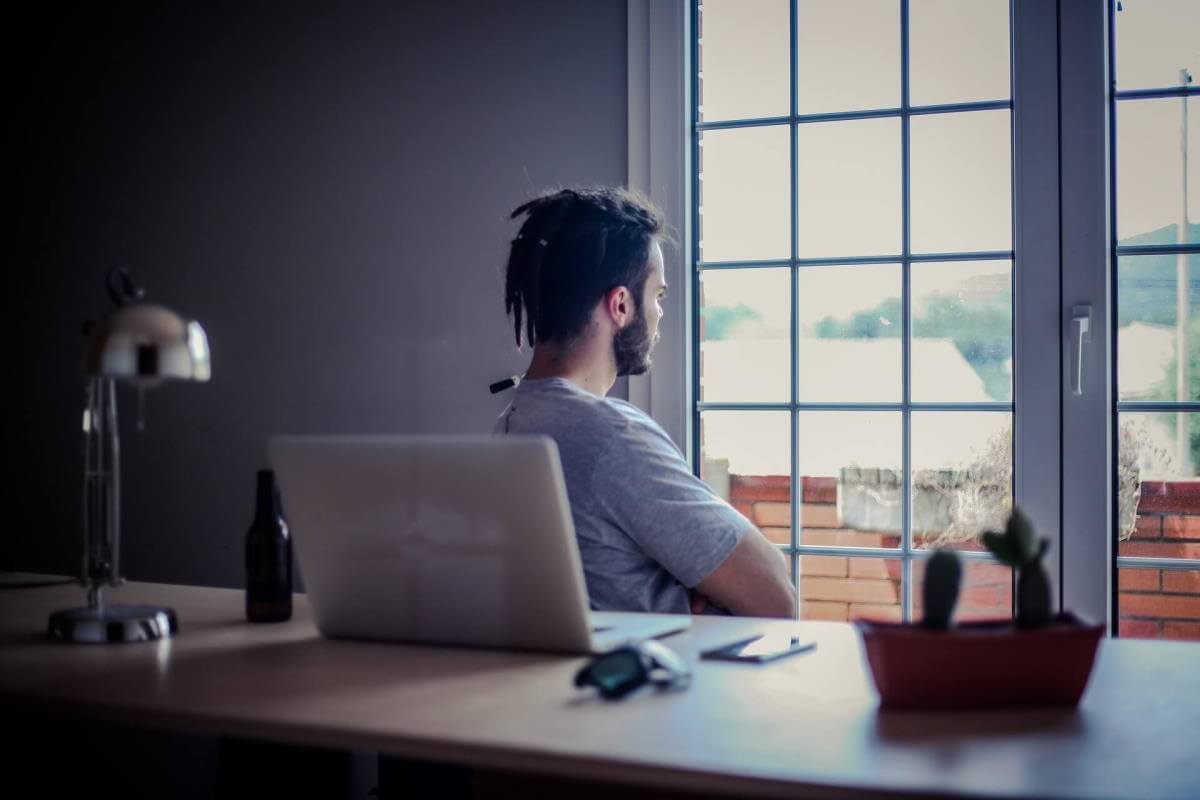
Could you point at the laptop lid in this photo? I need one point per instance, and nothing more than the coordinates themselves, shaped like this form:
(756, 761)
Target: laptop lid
(463, 540)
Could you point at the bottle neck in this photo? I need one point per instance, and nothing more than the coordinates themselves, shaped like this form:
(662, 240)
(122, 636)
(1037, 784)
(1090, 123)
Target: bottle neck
(266, 508)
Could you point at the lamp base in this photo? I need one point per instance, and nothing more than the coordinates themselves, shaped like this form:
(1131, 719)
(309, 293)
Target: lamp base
(117, 623)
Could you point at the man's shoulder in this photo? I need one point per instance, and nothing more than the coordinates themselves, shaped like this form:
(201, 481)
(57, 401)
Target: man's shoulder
(622, 423)
(633, 416)
(558, 398)
(610, 419)
(576, 415)
(634, 432)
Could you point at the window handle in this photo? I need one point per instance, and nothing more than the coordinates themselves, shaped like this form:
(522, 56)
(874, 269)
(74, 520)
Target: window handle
(1081, 334)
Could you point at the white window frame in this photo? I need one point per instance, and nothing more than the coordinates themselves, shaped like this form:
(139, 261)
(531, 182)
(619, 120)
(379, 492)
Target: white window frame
(1088, 497)
(1060, 243)
(659, 36)
(1089, 452)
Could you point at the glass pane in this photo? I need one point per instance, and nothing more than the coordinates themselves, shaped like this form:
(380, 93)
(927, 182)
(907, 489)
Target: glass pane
(962, 331)
(848, 55)
(849, 328)
(1150, 171)
(1154, 41)
(848, 188)
(745, 195)
(850, 468)
(744, 59)
(1159, 603)
(986, 591)
(958, 51)
(841, 589)
(1147, 336)
(961, 182)
(745, 458)
(1158, 492)
(745, 325)
(962, 476)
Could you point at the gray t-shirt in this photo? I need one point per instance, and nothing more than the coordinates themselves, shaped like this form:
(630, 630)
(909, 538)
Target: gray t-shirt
(648, 529)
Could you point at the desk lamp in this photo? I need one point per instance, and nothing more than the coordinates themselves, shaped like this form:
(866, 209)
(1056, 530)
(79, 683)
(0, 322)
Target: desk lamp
(142, 345)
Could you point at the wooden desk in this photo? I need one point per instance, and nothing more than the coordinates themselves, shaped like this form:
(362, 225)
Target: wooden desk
(807, 725)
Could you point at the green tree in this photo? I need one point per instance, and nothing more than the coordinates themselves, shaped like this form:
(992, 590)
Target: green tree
(720, 320)
(1164, 389)
(880, 322)
(982, 332)
(1146, 292)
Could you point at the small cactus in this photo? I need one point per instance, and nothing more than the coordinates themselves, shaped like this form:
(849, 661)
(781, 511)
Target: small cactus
(943, 573)
(1022, 550)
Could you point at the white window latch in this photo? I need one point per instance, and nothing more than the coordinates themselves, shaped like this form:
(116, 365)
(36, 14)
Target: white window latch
(1081, 334)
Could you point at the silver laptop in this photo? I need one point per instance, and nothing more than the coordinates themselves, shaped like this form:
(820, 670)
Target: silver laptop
(459, 540)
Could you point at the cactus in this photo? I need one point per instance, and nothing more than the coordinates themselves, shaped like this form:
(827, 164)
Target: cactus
(943, 573)
(1022, 550)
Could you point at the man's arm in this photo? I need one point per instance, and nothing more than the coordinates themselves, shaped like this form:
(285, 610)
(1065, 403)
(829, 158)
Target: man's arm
(752, 581)
(648, 490)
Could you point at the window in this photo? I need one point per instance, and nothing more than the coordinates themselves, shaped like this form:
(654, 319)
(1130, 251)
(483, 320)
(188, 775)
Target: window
(835, 167)
(853, 288)
(1155, 57)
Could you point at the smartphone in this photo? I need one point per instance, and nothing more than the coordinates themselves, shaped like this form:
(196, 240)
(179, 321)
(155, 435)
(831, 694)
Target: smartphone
(761, 648)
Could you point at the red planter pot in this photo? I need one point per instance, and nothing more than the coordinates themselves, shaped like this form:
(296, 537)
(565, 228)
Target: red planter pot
(988, 664)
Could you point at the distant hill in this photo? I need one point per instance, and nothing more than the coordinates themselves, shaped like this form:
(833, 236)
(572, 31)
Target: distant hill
(1146, 284)
(1164, 235)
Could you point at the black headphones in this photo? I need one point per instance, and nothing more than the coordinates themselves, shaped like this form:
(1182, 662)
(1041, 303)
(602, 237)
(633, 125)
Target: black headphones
(510, 382)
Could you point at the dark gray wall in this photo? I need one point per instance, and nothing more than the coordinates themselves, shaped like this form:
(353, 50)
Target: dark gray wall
(326, 189)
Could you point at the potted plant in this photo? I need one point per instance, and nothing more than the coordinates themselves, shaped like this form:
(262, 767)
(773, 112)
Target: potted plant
(1036, 659)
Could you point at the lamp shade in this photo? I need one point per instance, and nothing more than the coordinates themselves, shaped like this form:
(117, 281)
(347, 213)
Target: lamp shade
(146, 344)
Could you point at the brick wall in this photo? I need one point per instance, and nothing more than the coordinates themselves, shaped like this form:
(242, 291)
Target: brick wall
(1160, 603)
(832, 587)
(1153, 603)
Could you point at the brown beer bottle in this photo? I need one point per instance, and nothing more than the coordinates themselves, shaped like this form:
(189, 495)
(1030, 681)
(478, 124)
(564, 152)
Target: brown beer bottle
(268, 557)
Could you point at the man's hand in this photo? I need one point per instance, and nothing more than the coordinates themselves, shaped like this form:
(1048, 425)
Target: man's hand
(699, 602)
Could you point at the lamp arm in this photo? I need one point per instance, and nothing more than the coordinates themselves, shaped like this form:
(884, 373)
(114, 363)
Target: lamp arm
(121, 288)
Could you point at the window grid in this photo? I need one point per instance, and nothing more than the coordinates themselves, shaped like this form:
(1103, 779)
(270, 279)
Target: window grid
(794, 488)
(852, 261)
(1117, 250)
(850, 406)
(843, 116)
(906, 553)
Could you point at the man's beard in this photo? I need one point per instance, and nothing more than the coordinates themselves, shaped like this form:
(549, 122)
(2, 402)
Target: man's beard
(632, 346)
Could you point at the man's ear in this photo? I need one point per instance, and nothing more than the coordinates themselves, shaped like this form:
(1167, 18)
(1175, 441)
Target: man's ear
(618, 303)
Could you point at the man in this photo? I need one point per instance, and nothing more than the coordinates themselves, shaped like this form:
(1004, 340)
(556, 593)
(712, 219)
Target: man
(584, 284)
